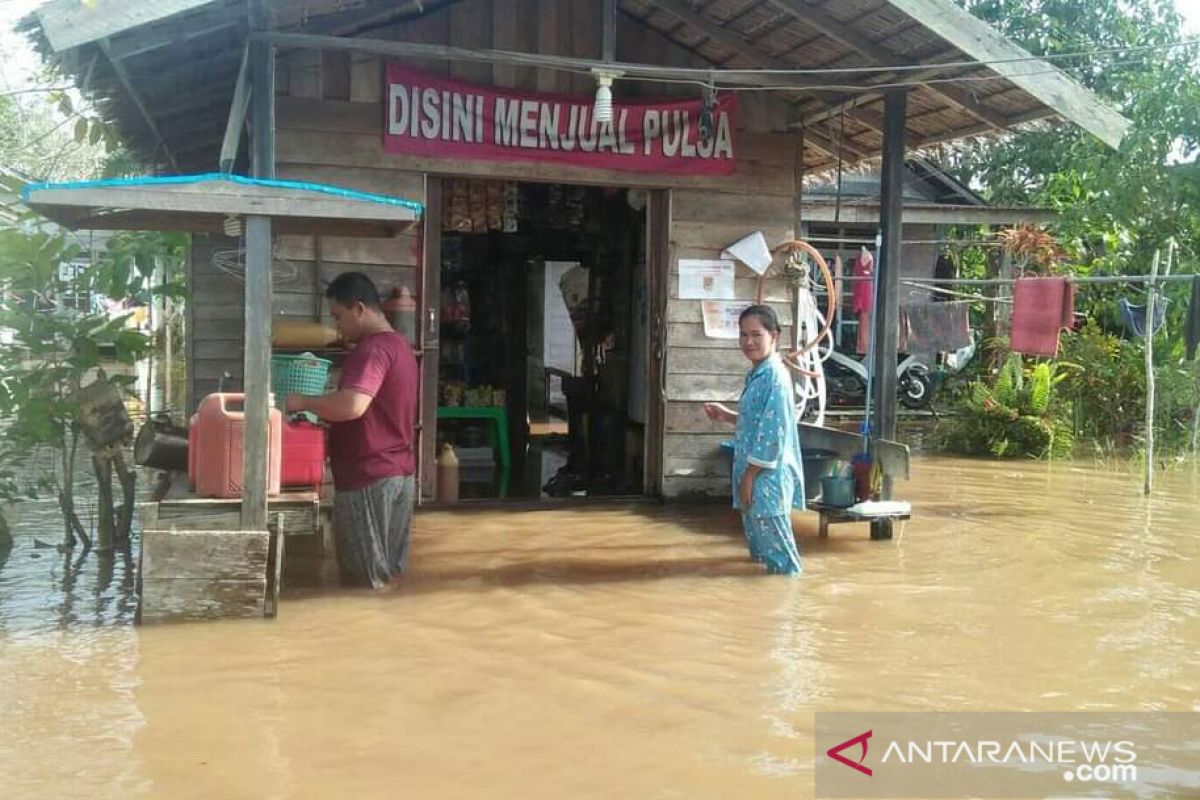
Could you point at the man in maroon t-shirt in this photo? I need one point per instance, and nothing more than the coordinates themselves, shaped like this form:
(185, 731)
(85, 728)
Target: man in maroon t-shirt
(372, 435)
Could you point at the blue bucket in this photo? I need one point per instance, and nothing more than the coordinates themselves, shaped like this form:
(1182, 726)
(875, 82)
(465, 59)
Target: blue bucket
(837, 491)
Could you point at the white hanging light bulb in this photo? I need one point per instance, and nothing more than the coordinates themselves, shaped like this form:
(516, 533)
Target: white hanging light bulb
(603, 110)
(232, 225)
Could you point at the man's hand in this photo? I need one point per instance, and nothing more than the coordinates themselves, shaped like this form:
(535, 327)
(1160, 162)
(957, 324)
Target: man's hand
(343, 405)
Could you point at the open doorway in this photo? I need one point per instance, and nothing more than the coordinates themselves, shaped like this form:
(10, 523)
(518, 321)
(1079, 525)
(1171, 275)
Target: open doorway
(542, 368)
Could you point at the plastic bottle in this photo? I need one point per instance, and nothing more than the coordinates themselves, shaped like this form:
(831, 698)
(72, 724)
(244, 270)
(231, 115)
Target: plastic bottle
(447, 475)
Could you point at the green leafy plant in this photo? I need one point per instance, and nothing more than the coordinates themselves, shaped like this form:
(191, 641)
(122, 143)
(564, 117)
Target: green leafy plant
(1018, 415)
(59, 336)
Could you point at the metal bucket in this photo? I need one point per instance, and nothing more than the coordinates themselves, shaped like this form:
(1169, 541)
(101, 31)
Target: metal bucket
(161, 445)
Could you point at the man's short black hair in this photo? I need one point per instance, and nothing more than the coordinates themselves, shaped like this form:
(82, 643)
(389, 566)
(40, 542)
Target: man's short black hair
(354, 287)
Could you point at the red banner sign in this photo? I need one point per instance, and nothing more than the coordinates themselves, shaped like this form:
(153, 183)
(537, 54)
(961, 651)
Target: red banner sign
(436, 117)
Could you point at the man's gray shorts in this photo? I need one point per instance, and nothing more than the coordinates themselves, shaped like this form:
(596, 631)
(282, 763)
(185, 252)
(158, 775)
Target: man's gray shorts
(371, 528)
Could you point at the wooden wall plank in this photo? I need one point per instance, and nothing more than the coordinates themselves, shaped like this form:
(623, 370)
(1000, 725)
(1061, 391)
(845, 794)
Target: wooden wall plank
(222, 290)
(695, 445)
(212, 370)
(306, 114)
(409, 185)
(775, 290)
(689, 417)
(689, 311)
(585, 30)
(687, 334)
(696, 488)
(428, 29)
(304, 74)
(514, 27)
(198, 575)
(335, 74)
(553, 36)
(716, 236)
(366, 80)
(471, 26)
(702, 360)
(219, 350)
(712, 466)
(705, 388)
(740, 206)
(398, 251)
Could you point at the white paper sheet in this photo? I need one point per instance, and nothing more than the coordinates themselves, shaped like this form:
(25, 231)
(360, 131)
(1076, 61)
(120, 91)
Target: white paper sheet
(721, 317)
(701, 279)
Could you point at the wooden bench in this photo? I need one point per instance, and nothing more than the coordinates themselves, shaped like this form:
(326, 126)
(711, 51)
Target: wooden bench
(881, 524)
(893, 461)
(196, 564)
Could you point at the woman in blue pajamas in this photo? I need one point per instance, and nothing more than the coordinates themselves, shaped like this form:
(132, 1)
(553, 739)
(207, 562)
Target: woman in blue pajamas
(768, 480)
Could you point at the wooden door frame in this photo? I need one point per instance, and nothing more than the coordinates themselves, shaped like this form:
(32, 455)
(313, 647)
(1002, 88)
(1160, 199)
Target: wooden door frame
(658, 270)
(429, 279)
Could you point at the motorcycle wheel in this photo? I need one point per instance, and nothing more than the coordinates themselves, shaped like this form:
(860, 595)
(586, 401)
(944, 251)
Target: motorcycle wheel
(916, 389)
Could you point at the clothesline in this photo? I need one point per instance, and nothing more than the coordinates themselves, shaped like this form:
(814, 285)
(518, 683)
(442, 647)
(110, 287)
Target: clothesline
(952, 293)
(964, 242)
(1083, 279)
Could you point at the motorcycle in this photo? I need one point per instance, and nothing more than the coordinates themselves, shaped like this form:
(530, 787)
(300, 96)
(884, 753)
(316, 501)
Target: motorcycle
(846, 378)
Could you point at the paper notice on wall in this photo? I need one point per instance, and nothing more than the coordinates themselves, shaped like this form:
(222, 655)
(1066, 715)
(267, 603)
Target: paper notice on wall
(706, 280)
(721, 317)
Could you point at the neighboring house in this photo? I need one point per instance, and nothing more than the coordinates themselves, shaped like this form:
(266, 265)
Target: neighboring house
(92, 242)
(839, 222)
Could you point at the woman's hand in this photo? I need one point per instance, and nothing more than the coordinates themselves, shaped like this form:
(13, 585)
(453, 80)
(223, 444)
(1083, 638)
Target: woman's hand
(746, 488)
(746, 492)
(719, 413)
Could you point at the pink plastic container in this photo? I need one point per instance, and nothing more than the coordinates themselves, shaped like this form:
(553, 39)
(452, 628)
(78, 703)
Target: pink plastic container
(217, 437)
(303, 454)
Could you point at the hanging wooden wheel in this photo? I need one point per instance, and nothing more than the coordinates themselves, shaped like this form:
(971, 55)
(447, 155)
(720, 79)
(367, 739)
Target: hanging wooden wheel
(791, 358)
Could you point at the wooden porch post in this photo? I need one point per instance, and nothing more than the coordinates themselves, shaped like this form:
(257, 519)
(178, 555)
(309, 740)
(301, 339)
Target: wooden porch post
(887, 310)
(257, 364)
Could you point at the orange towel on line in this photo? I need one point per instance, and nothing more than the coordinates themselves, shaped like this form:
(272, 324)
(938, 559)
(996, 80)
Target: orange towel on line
(1042, 307)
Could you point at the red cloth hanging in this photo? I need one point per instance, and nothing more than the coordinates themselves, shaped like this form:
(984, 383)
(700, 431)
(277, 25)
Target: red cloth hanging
(1041, 308)
(861, 296)
(861, 299)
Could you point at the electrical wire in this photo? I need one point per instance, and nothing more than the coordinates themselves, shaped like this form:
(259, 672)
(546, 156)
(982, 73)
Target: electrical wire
(706, 76)
(851, 88)
(1150, 48)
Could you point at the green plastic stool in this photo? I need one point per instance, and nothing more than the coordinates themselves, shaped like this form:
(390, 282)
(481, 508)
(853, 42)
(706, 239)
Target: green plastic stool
(497, 432)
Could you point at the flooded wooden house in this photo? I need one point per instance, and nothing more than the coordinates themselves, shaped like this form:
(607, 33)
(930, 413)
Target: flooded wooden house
(581, 164)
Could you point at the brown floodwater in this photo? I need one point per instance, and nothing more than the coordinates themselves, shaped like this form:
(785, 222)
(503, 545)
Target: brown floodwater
(614, 650)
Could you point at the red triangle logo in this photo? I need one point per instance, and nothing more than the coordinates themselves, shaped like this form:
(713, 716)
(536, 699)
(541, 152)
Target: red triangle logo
(835, 752)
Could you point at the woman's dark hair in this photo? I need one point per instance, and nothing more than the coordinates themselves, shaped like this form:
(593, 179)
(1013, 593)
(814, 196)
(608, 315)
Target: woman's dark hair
(766, 315)
(354, 287)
